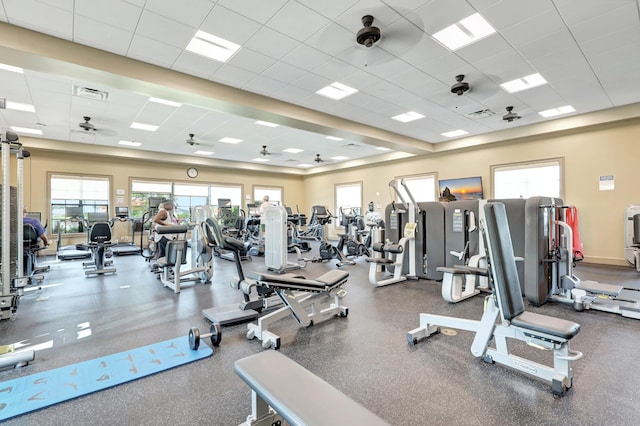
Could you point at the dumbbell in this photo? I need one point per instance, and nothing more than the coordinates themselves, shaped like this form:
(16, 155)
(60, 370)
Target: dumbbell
(215, 333)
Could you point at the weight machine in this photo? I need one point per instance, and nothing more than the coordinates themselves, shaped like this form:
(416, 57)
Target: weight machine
(11, 262)
(549, 262)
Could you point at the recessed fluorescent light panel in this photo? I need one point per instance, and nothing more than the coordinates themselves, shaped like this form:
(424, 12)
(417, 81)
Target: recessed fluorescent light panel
(340, 158)
(11, 68)
(336, 91)
(212, 47)
(334, 138)
(26, 130)
(454, 133)
(305, 165)
(464, 32)
(261, 160)
(408, 116)
(204, 152)
(557, 111)
(523, 83)
(129, 143)
(142, 126)
(165, 102)
(20, 107)
(230, 140)
(266, 123)
(382, 148)
(293, 150)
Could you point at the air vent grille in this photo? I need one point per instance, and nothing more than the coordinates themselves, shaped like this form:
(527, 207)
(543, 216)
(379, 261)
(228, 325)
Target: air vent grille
(483, 113)
(89, 93)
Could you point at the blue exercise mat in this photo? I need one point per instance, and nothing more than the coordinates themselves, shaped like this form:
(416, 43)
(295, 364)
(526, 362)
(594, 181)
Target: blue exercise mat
(28, 393)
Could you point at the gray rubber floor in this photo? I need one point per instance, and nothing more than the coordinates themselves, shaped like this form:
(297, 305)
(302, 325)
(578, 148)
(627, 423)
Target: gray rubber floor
(366, 355)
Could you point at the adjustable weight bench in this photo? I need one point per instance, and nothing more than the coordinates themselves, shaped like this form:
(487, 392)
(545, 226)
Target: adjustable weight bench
(282, 389)
(505, 317)
(301, 298)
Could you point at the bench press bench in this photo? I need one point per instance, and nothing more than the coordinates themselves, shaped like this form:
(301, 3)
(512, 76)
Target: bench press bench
(301, 298)
(282, 389)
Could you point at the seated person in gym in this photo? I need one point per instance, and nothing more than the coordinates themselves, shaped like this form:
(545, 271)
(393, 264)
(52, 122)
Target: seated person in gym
(42, 234)
(164, 217)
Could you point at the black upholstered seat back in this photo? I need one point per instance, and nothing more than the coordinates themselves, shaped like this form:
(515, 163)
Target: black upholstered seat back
(502, 260)
(29, 236)
(100, 232)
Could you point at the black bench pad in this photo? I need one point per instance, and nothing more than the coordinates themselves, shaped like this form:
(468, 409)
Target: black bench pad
(298, 395)
(546, 324)
(325, 282)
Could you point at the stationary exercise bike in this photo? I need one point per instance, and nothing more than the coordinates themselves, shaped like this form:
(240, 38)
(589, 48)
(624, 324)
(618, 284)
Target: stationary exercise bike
(327, 251)
(352, 240)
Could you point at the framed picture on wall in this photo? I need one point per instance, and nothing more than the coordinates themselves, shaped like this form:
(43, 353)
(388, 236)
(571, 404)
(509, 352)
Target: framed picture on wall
(460, 189)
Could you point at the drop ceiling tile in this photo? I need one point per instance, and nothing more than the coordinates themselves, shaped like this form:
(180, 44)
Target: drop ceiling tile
(426, 51)
(480, 5)
(163, 30)
(507, 13)
(488, 46)
(575, 11)
(116, 13)
(293, 94)
(260, 14)
(534, 28)
(329, 9)
(439, 14)
(251, 60)
(229, 25)
(271, 43)
(190, 13)
(153, 52)
(606, 24)
(102, 36)
(383, 15)
(265, 86)
(48, 19)
(556, 42)
(505, 66)
(306, 57)
(446, 67)
(232, 75)
(283, 72)
(297, 21)
(332, 39)
(623, 39)
(312, 82)
(335, 70)
(197, 65)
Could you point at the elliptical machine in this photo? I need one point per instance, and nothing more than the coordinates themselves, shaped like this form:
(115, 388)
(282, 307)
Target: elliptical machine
(352, 240)
(321, 217)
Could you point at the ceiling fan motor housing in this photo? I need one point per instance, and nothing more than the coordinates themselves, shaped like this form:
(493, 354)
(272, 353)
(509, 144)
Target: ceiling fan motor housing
(369, 34)
(461, 86)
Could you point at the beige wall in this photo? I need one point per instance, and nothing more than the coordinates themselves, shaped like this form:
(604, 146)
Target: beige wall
(608, 150)
(588, 154)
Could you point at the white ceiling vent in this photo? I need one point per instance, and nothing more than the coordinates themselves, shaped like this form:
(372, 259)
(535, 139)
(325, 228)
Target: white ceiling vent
(483, 113)
(89, 93)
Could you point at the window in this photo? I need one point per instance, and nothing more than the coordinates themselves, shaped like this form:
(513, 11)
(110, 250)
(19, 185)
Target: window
(73, 198)
(524, 180)
(348, 195)
(186, 197)
(142, 190)
(422, 188)
(228, 192)
(275, 195)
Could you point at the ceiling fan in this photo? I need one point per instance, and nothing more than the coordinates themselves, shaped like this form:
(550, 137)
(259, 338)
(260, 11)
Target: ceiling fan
(264, 151)
(318, 159)
(510, 115)
(191, 140)
(88, 127)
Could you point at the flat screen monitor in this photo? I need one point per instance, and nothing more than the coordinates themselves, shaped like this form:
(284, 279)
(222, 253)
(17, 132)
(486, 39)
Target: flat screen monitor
(469, 188)
(97, 217)
(224, 203)
(122, 212)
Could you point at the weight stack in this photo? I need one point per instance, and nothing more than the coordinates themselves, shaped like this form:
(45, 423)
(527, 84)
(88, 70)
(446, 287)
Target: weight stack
(13, 235)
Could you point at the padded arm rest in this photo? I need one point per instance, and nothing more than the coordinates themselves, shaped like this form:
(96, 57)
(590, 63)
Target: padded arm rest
(454, 271)
(298, 395)
(546, 324)
(171, 229)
